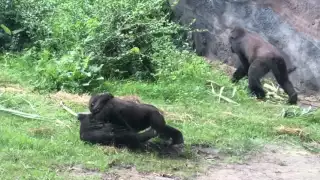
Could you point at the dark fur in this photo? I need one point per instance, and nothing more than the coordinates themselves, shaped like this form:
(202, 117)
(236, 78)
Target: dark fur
(258, 57)
(96, 132)
(136, 117)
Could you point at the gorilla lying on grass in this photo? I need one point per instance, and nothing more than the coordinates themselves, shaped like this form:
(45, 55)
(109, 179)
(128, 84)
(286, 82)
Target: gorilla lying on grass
(134, 116)
(258, 57)
(96, 132)
(105, 133)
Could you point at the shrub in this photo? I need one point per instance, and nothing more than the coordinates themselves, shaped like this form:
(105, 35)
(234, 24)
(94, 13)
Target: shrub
(78, 43)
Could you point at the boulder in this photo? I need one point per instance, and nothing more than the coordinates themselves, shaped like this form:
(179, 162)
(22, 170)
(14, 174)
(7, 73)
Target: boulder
(293, 26)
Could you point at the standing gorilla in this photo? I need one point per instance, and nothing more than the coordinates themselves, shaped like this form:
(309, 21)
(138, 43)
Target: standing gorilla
(96, 132)
(136, 117)
(258, 57)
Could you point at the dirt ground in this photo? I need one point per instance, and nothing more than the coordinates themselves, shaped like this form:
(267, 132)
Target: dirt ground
(273, 163)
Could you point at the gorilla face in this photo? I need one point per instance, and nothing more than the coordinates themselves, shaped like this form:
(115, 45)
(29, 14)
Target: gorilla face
(97, 102)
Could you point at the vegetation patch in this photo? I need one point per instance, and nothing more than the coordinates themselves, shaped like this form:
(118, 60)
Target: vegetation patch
(67, 50)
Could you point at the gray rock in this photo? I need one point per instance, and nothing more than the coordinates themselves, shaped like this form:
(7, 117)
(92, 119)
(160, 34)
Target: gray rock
(291, 25)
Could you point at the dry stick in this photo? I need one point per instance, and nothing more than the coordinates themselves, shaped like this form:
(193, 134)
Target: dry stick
(221, 91)
(273, 91)
(68, 109)
(29, 104)
(234, 92)
(23, 114)
(221, 96)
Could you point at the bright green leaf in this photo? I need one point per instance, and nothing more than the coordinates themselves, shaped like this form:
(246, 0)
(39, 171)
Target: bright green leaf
(6, 29)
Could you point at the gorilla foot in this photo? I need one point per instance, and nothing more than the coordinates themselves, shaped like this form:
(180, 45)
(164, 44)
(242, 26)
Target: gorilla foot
(293, 99)
(259, 95)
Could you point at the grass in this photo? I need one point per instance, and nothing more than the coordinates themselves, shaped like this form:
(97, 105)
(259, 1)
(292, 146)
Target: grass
(45, 149)
(63, 50)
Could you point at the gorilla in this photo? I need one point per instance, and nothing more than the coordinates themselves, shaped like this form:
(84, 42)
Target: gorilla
(96, 132)
(257, 58)
(136, 117)
(5, 40)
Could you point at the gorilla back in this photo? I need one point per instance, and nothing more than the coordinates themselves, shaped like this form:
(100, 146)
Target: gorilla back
(258, 57)
(136, 117)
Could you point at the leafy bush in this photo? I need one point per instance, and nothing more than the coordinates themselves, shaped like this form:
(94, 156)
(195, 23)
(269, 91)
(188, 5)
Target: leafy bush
(12, 35)
(78, 43)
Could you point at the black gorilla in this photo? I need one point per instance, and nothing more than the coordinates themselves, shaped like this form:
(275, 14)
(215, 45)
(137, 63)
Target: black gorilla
(136, 117)
(258, 57)
(5, 40)
(97, 132)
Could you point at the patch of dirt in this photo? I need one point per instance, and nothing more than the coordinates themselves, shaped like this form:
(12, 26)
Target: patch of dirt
(229, 70)
(312, 100)
(226, 68)
(84, 98)
(208, 152)
(11, 88)
(131, 173)
(75, 98)
(274, 163)
(78, 171)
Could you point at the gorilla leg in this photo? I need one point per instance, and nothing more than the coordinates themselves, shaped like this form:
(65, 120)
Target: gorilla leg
(97, 132)
(281, 74)
(256, 71)
(145, 136)
(97, 137)
(175, 134)
(132, 139)
(239, 73)
(119, 137)
(158, 123)
(242, 69)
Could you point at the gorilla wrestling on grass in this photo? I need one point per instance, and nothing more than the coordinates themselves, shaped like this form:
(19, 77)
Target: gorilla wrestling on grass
(258, 57)
(134, 116)
(95, 132)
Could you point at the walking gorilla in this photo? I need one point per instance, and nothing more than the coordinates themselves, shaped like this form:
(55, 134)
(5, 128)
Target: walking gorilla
(96, 132)
(136, 117)
(258, 57)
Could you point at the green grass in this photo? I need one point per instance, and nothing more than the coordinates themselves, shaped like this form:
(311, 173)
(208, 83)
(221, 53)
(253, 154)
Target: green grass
(66, 51)
(235, 130)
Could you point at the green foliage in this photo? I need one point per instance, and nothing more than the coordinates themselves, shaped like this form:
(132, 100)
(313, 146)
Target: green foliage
(78, 43)
(12, 35)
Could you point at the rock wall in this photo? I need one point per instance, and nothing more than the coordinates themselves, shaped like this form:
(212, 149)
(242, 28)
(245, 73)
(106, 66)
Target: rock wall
(291, 25)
